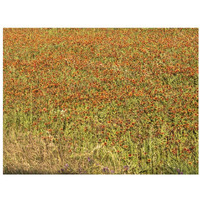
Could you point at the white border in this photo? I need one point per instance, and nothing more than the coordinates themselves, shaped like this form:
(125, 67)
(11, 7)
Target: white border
(100, 13)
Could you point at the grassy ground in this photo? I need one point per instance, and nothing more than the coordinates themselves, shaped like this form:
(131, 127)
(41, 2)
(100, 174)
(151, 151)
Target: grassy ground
(100, 101)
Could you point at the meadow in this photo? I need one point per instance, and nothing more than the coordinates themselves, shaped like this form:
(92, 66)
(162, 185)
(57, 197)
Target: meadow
(100, 101)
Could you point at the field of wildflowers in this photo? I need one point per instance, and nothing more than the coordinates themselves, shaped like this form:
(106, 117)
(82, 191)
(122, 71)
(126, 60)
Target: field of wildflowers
(100, 101)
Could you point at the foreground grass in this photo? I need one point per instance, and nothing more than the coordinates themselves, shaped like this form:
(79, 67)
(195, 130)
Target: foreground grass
(33, 155)
(101, 101)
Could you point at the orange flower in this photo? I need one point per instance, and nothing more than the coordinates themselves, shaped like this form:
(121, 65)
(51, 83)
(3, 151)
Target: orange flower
(130, 94)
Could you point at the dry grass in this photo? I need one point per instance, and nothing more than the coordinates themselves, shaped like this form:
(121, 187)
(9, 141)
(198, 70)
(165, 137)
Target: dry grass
(32, 155)
(29, 155)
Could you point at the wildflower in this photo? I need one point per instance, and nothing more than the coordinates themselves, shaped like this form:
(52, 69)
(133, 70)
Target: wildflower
(179, 172)
(126, 168)
(112, 171)
(130, 94)
(105, 169)
(66, 165)
(89, 159)
(35, 91)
